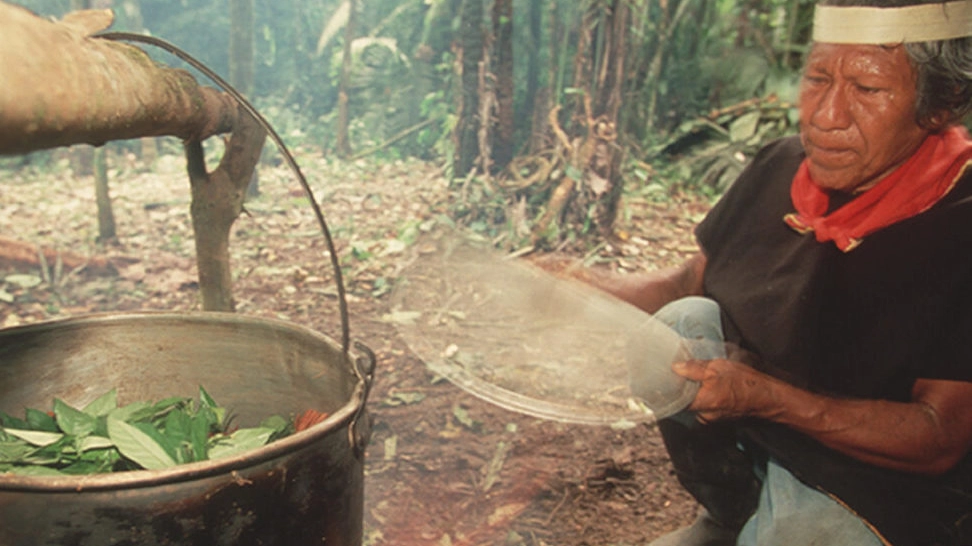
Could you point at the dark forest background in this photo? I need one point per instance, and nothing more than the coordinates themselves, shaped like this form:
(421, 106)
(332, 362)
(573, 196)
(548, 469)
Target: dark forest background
(556, 107)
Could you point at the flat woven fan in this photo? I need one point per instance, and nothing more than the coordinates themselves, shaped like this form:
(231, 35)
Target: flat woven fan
(525, 340)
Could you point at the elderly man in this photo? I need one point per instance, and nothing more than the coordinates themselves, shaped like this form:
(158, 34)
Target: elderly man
(840, 263)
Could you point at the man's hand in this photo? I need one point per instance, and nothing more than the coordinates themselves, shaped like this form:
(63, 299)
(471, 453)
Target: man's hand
(730, 389)
(927, 435)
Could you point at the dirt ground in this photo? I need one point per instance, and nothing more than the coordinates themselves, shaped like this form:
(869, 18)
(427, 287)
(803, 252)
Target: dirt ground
(443, 467)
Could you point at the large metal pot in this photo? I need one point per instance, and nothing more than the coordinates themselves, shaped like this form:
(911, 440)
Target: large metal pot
(301, 490)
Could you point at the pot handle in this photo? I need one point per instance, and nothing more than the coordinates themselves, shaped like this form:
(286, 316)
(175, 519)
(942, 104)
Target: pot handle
(288, 157)
(359, 431)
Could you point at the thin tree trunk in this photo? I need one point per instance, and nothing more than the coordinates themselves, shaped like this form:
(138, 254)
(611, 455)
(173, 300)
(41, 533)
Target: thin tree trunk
(670, 23)
(106, 216)
(343, 120)
(93, 161)
(545, 99)
(611, 90)
(82, 157)
(471, 51)
(241, 46)
(241, 63)
(149, 152)
(217, 200)
(505, 125)
(535, 13)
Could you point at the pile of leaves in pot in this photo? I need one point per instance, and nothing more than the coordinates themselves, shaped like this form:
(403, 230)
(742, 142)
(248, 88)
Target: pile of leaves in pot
(105, 437)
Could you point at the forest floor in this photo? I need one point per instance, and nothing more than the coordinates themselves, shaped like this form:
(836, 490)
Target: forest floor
(443, 468)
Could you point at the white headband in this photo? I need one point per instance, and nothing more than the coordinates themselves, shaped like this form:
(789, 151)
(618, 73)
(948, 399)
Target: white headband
(863, 25)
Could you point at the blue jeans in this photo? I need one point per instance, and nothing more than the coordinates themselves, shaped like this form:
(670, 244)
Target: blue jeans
(788, 511)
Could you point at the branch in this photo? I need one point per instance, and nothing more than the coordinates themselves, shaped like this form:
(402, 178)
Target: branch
(61, 86)
(217, 201)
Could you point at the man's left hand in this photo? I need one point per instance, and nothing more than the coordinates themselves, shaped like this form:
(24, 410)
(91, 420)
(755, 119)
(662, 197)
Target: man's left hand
(729, 389)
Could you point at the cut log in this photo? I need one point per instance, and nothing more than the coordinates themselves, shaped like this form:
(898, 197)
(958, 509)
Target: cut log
(21, 256)
(62, 86)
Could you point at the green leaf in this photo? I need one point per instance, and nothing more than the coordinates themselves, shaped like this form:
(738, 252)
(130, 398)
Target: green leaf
(53, 454)
(135, 411)
(24, 280)
(34, 471)
(219, 418)
(574, 173)
(404, 398)
(106, 438)
(39, 420)
(73, 421)
(7, 420)
(177, 426)
(35, 437)
(98, 460)
(94, 442)
(103, 405)
(208, 404)
(206, 399)
(173, 401)
(82, 468)
(744, 126)
(177, 429)
(171, 446)
(281, 427)
(463, 417)
(162, 409)
(242, 440)
(199, 437)
(15, 451)
(138, 446)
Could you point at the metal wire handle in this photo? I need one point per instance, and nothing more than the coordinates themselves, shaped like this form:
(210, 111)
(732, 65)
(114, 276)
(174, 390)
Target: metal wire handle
(288, 157)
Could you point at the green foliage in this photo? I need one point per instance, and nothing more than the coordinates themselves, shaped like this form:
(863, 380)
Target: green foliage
(480, 207)
(104, 437)
(707, 153)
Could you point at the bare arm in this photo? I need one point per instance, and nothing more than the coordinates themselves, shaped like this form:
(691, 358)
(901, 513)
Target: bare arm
(650, 291)
(927, 435)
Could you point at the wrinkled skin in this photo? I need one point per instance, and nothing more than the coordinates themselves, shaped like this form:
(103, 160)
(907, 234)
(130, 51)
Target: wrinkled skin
(857, 114)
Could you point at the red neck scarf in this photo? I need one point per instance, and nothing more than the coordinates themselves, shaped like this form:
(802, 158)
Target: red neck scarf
(910, 189)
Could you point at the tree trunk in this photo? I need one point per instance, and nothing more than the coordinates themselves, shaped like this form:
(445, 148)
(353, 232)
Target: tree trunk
(217, 200)
(82, 157)
(241, 46)
(343, 120)
(610, 89)
(667, 28)
(149, 149)
(543, 100)
(589, 193)
(503, 144)
(535, 24)
(471, 55)
(61, 86)
(106, 217)
(241, 64)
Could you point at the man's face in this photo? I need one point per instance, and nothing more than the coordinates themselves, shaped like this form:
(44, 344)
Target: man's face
(857, 114)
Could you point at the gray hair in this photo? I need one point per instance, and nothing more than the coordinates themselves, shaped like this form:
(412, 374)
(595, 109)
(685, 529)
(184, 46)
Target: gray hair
(944, 68)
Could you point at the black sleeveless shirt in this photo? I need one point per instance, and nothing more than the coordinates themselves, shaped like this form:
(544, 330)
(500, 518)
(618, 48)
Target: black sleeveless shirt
(861, 324)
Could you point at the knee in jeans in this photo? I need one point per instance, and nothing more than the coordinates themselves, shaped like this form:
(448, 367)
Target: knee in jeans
(693, 317)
